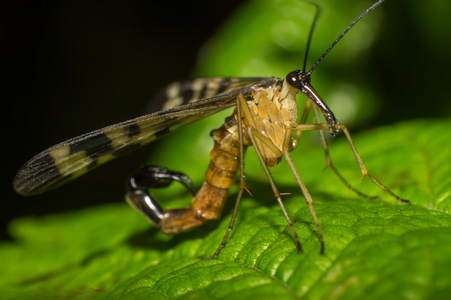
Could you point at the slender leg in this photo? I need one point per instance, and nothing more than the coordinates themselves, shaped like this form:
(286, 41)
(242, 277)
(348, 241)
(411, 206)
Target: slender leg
(332, 167)
(253, 134)
(240, 101)
(297, 134)
(322, 126)
(365, 171)
(229, 229)
(308, 199)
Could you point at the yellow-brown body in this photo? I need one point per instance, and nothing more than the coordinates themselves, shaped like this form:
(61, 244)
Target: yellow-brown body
(271, 111)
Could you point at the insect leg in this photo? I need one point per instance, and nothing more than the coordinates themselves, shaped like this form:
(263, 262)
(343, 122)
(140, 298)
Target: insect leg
(229, 229)
(331, 165)
(240, 101)
(297, 134)
(308, 199)
(363, 169)
(254, 134)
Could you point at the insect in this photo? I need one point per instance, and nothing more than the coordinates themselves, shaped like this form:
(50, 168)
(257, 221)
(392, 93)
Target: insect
(265, 116)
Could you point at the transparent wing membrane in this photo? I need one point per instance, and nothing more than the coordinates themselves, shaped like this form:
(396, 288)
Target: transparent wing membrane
(76, 156)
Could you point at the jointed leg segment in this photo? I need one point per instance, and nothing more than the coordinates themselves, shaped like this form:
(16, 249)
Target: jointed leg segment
(254, 134)
(208, 202)
(322, 126)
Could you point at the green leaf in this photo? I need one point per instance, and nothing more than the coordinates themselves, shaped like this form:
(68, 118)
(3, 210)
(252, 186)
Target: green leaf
(374, 249)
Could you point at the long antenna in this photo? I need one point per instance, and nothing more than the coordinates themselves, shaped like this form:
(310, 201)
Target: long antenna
(343, 33)
(312, 28)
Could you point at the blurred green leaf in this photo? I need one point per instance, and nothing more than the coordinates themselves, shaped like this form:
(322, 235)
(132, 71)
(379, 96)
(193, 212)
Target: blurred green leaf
(374, 249)
(273, 41)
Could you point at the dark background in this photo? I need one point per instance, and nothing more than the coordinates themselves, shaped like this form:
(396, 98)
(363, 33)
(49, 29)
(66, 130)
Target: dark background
(69, 67)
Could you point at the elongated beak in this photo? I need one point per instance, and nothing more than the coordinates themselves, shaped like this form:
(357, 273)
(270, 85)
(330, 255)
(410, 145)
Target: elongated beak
(327, 113)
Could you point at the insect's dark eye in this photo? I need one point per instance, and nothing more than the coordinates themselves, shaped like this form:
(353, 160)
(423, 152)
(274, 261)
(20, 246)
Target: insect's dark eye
(296, 79)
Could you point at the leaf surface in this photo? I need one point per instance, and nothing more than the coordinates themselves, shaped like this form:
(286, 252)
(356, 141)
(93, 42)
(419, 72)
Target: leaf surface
(374, 249)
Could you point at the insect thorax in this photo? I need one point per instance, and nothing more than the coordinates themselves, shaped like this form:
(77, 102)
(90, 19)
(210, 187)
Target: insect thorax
(273, 110)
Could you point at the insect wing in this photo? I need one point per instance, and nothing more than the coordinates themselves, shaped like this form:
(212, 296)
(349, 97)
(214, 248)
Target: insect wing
(184, 105)
(190, 91)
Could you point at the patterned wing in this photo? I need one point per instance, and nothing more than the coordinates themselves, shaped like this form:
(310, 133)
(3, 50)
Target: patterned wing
(183, 104)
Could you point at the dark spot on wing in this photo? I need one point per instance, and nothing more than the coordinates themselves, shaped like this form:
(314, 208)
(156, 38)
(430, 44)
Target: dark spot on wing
(204, 90)
(223, 84)
(133, 130)
(162, 132)
(95, 146)
(186, 91)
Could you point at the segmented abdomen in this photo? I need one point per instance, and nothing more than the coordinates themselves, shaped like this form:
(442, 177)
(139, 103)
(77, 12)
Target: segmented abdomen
(219, 178)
